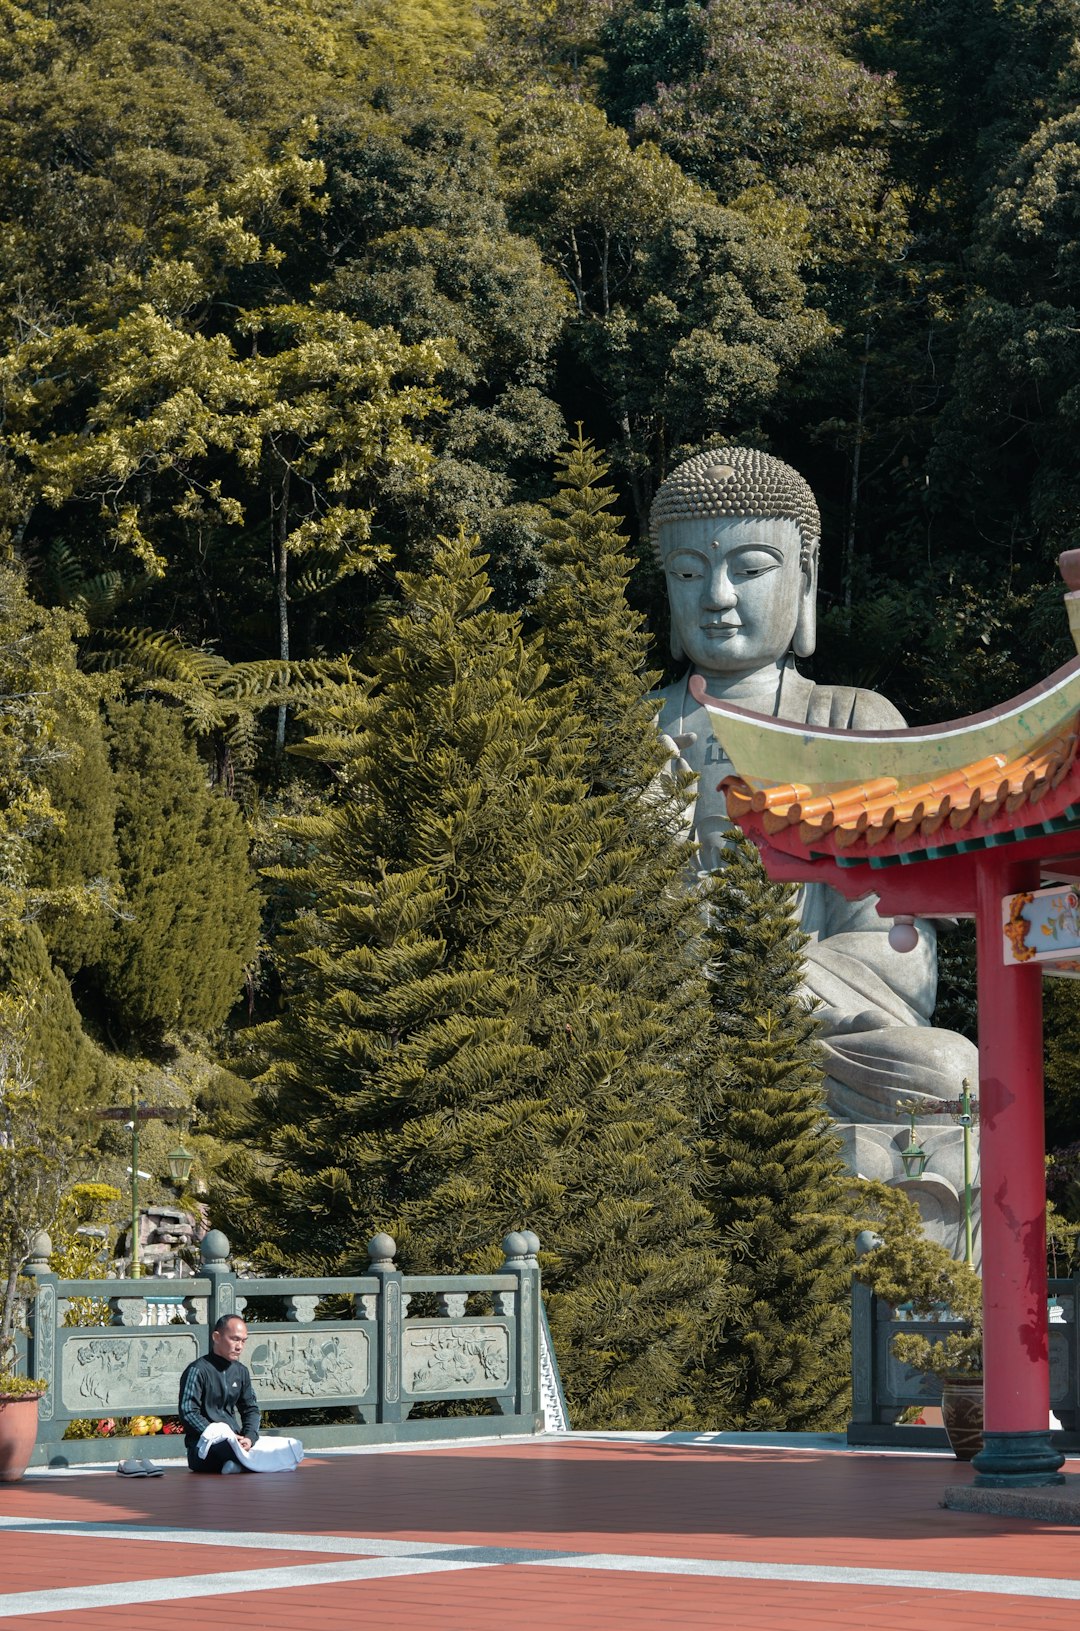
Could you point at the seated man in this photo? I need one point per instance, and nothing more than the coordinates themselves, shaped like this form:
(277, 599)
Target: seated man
(217, 1399)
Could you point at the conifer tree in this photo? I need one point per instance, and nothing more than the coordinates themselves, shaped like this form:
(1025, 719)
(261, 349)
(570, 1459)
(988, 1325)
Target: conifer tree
(467, 1045)
(78, 852)
(594, 643)
(775, 1184)
(190, 921)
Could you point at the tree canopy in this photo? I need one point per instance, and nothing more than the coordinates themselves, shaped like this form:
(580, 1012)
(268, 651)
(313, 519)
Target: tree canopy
(288, 293)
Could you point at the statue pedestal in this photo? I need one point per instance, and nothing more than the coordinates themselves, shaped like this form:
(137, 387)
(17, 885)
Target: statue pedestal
(872, 1149)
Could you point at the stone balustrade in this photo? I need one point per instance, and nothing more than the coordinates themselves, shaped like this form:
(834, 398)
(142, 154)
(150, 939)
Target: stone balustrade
(379, 1343)
(883, 1388)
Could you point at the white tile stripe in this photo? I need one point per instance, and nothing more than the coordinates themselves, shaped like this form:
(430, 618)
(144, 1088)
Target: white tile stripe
(70, 1599)
(379, 1559)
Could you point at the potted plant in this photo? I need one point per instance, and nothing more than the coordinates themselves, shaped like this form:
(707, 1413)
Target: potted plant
(909, 1271)
(19, 1397)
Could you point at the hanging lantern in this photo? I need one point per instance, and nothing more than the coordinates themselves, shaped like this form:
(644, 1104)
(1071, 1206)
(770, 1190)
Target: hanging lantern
(180, 1162)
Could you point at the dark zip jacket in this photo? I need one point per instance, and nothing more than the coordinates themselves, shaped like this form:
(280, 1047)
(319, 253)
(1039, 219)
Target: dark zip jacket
(216, 1389)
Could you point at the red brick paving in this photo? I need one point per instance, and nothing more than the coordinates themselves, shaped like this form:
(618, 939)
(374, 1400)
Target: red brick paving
(668, 1500)
(36, 1562)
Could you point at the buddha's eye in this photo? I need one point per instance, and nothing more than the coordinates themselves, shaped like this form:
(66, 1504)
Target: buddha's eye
(685, 567)
(754, 563)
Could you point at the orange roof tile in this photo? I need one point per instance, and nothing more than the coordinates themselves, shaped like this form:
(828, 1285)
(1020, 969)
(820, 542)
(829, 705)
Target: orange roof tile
(967, 798)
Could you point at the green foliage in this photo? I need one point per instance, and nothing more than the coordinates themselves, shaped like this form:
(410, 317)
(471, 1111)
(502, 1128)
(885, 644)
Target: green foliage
(687, 315)
(414, 201)
(1061, 1042)
(46, 707)
(220, 701)
(764, 101)
(774, 1178)
(189, 928)
(472, 1036)
(595, 646)
(907, 1268)
(76, 856)
(42, 1133)
(88, 1214)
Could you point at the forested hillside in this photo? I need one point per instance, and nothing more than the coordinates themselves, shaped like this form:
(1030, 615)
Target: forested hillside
(330, 326)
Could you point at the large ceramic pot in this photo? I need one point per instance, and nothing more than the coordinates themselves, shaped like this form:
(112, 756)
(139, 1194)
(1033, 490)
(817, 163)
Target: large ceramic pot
(962, 1415)
(18, 1434)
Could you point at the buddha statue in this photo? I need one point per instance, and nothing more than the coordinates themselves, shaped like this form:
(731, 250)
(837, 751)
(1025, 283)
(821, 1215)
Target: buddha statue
(737, 533)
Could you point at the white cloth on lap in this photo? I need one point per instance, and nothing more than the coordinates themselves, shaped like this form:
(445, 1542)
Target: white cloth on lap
(267, 1454)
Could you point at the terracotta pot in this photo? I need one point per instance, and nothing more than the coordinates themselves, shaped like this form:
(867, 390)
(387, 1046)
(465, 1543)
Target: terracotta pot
(18, 1434)
(962, 1415)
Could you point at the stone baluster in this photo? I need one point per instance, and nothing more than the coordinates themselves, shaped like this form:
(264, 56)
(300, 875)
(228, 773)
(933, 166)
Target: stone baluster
(300, 1310)
(37, 1263)
(451, 1304)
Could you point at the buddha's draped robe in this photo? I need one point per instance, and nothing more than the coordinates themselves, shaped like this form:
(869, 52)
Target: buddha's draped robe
(876, 1004)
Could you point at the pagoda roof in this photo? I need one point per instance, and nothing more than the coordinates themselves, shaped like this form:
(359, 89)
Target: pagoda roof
(883, 798)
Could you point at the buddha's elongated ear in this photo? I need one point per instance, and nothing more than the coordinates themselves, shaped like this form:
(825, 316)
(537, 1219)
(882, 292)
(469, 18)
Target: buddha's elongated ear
(804, 643)
(675, 644)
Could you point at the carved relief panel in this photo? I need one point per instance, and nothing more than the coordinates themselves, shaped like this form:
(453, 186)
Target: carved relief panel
(129, 1373)
(317, 1363)
(440, 1359)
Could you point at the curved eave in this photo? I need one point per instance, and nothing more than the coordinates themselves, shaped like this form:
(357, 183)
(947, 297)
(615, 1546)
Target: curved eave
(768, 751)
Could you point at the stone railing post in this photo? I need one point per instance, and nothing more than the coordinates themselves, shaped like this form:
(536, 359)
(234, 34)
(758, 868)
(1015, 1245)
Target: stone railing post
(43, 1316)
(863, 1402)
(1073, 1338)
(216, 1267)
(381, 1253)
(519, 1250)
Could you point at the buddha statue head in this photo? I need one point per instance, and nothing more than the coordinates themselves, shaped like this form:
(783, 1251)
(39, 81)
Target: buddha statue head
(737, 532)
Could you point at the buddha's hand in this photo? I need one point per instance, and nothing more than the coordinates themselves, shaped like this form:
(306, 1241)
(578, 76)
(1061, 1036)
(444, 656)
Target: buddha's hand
(665, 785)
(676, 747)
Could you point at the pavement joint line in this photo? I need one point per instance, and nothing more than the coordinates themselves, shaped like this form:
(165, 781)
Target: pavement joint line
(72, 1599)
(422, 1557)
(241, 1540)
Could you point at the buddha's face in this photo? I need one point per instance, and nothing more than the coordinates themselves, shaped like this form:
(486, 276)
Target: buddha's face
(736, 586)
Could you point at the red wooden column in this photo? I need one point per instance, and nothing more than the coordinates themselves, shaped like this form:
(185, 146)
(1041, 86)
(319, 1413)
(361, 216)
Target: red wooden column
(1017, 1448)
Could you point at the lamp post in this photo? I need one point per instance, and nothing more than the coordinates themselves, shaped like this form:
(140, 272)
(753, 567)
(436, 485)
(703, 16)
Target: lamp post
(967, 1108)
(134, 1114)
(964, 1109)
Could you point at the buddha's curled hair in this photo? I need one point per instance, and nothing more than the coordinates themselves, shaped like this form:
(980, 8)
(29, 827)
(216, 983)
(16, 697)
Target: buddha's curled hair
(736, 481)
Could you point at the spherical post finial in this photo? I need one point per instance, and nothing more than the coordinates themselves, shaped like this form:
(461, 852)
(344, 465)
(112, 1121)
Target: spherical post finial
(381, 1250)
(515, 1247)
(214, 1249)
(40, 1252)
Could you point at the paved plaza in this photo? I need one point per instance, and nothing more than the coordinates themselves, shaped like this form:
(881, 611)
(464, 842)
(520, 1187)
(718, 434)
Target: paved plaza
(578, 1532)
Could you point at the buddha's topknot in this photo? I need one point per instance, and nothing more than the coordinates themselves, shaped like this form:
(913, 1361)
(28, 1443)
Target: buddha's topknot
(736, 481)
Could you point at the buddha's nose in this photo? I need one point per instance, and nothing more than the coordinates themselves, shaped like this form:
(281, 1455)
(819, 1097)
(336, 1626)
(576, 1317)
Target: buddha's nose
(719, 591)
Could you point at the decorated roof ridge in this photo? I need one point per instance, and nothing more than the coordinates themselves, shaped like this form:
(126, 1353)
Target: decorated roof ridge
(768, 752)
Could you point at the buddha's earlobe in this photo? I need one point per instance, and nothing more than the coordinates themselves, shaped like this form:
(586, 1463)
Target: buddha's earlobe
(804, 642)
(677, 651)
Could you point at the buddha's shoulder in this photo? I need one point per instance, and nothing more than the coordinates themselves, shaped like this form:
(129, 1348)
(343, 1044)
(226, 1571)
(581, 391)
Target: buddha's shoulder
(850, 708)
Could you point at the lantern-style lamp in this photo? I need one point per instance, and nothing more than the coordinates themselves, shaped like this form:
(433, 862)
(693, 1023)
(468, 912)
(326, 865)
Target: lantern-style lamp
(180, 1162)
(914, 1157)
